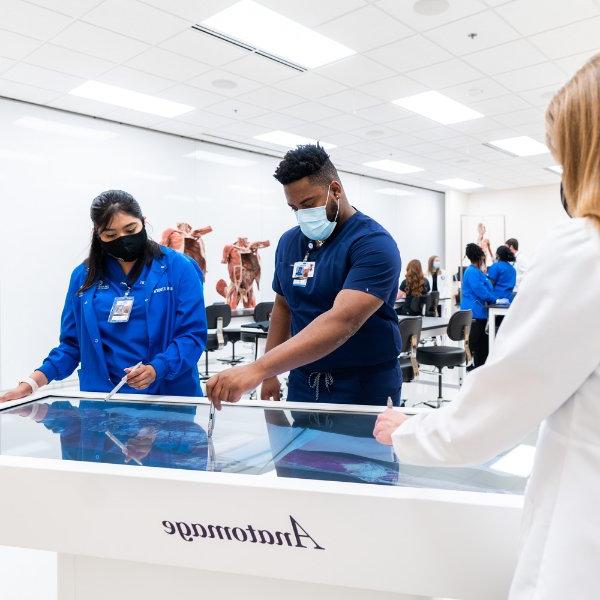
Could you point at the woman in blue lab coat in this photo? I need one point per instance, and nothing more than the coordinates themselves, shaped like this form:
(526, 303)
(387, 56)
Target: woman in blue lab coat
(476, 292)
(502, 274)
(132, 301)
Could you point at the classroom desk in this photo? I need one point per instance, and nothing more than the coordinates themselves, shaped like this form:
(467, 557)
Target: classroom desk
(284, 499)
(494, 311)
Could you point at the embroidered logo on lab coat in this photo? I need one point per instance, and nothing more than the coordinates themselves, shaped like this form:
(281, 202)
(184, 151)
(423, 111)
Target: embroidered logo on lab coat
(167, 288)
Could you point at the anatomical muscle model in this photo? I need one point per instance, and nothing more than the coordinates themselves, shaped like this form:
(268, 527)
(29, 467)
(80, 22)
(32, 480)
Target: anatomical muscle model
(243, 265)
(188, 241)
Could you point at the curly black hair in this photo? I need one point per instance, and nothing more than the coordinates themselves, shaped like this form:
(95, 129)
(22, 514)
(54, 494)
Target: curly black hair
(504, 254)
(474, 253)
(310, 161)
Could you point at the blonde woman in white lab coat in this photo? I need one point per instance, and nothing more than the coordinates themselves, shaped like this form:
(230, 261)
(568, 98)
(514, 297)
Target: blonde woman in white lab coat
(544, 368)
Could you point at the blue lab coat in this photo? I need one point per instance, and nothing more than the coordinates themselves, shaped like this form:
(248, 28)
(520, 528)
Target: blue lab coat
(476, 292)
(504, 278)
(174, 319)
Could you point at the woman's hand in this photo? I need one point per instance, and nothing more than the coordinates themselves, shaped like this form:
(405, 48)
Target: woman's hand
(138, 447)
(387, 422)
(141, 378)
(270, 389)
(21, 391)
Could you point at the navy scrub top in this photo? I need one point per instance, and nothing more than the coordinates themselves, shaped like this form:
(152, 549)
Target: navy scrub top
(361, 255)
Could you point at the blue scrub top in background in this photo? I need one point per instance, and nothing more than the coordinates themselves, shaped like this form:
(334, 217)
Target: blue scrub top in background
(476, 292)
(168, 313)
(504, 278)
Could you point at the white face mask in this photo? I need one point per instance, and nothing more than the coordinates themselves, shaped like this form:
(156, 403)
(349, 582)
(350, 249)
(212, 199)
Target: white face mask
(314, 223)
(437, 264)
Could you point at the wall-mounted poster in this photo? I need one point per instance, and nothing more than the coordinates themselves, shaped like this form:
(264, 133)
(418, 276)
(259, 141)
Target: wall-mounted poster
(487, 231)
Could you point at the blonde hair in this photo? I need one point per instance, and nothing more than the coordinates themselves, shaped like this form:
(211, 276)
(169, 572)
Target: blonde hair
(573, 136)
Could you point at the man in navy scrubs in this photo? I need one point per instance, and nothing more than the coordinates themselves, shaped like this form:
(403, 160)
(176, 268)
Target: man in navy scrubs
(333, 325)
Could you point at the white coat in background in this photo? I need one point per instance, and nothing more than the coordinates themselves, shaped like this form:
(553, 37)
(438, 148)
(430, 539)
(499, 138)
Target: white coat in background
(544, 366)
(521, 265)
(444, 281)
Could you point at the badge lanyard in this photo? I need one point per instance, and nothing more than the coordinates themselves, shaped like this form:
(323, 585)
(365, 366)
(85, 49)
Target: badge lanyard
(303, 270)
(121, 308)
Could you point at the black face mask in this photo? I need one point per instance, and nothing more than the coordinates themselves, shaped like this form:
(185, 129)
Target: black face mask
(563, 199)
(127, 247)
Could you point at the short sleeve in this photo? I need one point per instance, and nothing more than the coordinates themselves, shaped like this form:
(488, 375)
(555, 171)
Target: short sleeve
(276, 283)
(374, 266)
(426, 286)
(403, 286)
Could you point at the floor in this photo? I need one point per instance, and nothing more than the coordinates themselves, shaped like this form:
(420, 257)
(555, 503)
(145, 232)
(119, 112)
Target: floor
(31, 575)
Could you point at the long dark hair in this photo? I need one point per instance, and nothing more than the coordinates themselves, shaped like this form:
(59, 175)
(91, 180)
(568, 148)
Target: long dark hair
(103, 209)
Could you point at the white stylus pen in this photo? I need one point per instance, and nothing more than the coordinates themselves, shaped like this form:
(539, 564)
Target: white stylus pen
(121, 446)
(122, 382)
(211, 420)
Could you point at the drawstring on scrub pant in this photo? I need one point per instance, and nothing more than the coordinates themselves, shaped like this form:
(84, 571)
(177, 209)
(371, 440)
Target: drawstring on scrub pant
(314, 381)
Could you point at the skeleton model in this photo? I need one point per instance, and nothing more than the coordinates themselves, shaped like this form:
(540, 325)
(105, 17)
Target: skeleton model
(243, 265)
(188, 241)
(484, 243)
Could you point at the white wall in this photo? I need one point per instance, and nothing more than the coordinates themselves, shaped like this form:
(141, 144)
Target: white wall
(48, 179)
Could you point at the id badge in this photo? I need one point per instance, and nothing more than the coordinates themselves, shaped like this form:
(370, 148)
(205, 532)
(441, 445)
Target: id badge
(121, 309)
(303, 270)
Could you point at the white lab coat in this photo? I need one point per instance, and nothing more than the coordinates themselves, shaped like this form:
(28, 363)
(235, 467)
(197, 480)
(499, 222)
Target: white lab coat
(444, 281)
(544, 366)
(521, 264)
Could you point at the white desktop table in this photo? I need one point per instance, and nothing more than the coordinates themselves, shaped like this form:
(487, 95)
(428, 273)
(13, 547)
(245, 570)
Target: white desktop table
(494, 311)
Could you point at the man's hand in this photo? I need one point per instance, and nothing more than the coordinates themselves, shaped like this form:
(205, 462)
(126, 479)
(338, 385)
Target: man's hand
(141, 378)
(387, 422)
(229, 385)
(270, 389)
(138, 447)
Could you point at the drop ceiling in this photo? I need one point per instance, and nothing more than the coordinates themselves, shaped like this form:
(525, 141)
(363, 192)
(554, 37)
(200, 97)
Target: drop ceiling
(523, 52)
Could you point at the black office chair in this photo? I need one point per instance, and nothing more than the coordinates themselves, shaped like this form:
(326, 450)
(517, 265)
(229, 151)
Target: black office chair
(432, 301)
(218, 316)
(414, 308)
(261, 316)
(449, 357)
(410, 334)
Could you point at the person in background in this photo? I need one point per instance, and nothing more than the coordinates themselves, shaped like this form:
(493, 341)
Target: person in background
(520, 261)
(477, 292)
(544, 371)
(438, 279)
(412, 288)
(132, 301)
(502, 274)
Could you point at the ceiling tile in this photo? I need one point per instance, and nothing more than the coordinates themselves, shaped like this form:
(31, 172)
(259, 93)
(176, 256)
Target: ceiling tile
(476, 126)
(33, 21)
(393, 88)
(69, 61)
(313, 12)
(346, 122)
(5, 64)
(315, 131)
(364, 29)
(475, 91)
(254, 66)
(43, 78)
(242, 129)
(311, 111)
(73, 8)
(355, 71)
(571, 39)
(270, 98)
(419, 22)
(451, 72)
(491, 30)
(206, 120)
(192, 10)
(540, 97)
(440, 132)
(532, 77)
(534, 16)
(19, 91)
(136, 20)
(412, 124)
(382, 113)
(133, 79)
(99, 42)
(402, 140)
(203, 47)
(276, 121)
(411, 53)
(571, 64)
(519, 117)
(349, 100)
(500, 105)
(135, 117)
(309, 85)
(15, 46)
(375, 132)
(205, 82)
(83, 106)
(191, 95)
(340, 138)
(236, 109)
(163, 63)
(458, 142)
(506, 57)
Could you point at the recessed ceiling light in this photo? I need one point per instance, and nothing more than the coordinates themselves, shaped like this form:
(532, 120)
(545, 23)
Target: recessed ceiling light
(460, 184)
(289, 140)
(431, 7)
(518, 461)
(439, 108)
(393, 192)
(519, 146)
(250, 22)
(474, 92)
(224, 84)
(393, 166)
(118, 96)
(555, 169)
(74, 131)
(220, 159)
